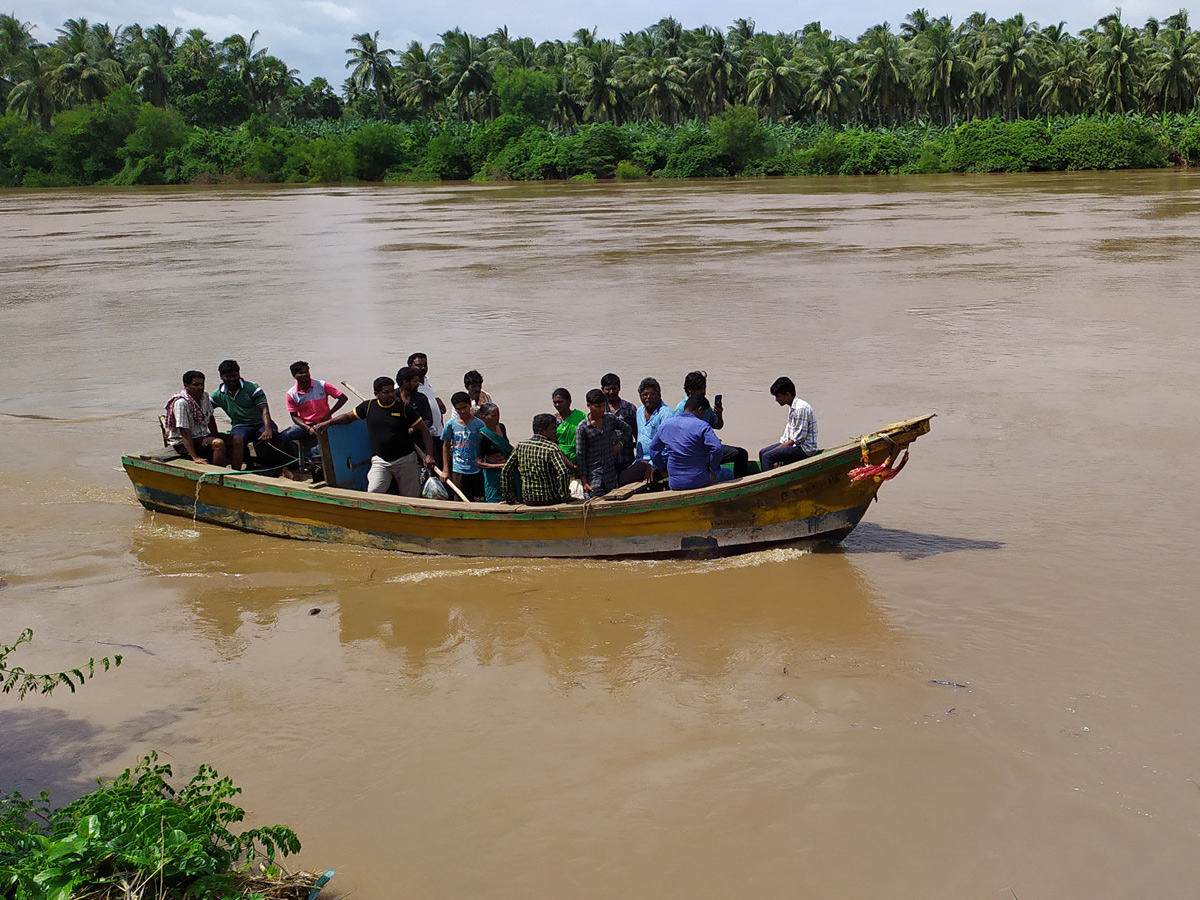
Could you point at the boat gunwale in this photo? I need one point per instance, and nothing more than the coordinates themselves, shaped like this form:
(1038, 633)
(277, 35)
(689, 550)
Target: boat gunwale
(783, 477)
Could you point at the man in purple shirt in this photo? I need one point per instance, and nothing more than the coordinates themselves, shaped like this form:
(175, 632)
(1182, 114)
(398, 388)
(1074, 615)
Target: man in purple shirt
(691, 448)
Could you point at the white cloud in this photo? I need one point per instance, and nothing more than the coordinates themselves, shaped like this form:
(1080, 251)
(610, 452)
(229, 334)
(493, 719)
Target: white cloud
(335, 11)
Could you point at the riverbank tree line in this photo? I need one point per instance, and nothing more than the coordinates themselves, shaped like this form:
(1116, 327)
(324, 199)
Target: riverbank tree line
(152, 105)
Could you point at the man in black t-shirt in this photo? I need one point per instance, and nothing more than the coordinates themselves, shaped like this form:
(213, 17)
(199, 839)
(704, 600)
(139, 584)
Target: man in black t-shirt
(391, 428)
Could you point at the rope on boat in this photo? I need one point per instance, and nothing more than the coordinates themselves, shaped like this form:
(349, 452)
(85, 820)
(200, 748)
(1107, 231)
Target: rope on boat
(881, 472)
(587, 504)
(200, 481)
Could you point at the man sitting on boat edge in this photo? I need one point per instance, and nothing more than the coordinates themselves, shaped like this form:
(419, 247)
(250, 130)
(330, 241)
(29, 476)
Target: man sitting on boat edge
(799, 439)
(246, 405)
(308, 405)
(192, 427)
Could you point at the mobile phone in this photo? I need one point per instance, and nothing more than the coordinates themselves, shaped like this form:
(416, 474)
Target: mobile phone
(717, 400)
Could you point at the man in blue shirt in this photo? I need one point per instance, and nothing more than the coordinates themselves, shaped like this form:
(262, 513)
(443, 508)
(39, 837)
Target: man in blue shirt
(689, 449)
(695, 385)
(648, 418)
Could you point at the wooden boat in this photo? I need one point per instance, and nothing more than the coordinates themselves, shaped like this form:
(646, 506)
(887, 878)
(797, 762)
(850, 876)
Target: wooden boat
(812, 499)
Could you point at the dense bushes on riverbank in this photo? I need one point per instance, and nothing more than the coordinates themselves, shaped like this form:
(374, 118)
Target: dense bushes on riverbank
(126, 141)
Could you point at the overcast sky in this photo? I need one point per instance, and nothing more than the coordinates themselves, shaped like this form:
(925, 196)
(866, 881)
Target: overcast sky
(312, 35)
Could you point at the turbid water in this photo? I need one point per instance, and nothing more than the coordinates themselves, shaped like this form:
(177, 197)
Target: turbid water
(780, 724)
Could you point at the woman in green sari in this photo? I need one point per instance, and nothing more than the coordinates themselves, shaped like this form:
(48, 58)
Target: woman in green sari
(494, 449)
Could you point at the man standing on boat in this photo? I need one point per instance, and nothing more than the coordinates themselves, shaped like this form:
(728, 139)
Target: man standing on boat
(599, 439)
(545, 476)
(626, 412)
(391, 426)
(688, 448)
(192, 427)
(799, 439)
(695, 385)
(437, 409)
(408, 389)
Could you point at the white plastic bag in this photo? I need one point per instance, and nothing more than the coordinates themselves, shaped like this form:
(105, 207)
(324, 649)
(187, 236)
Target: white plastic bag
(434, 489)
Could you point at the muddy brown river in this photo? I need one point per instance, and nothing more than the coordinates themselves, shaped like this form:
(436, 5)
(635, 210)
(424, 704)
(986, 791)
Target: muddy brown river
(988, 691)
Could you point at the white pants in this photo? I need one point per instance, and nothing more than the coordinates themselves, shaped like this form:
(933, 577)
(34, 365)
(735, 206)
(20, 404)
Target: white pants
(405, 470)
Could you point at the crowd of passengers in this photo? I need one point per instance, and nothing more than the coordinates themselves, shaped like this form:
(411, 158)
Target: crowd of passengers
(410, 428)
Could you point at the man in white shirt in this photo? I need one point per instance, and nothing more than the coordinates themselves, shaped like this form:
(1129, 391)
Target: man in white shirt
(799, 439)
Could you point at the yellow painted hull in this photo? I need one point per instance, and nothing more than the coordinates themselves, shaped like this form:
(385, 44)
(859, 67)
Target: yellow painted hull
(806, 500)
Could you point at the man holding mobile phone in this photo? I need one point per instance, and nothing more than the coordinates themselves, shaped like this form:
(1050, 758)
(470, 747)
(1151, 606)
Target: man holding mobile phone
(696, 384)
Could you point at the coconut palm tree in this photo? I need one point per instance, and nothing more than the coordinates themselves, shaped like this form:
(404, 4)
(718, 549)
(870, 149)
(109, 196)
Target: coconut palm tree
(831, 88)
(240, 57)
(416, 80)
(915, 23)
(83, 77)
(272, 81)
(660, 82)
(15, 38)
(568, 106)
(600, 83)
(372, 67)
(1064, 86)
(1114, 64)
(153, 54)
(467, 66)
(943, 71)
(741, 33)
(884, 70)
(714, 70)
(34, 96)
(1178, 21)
(1174, 69)
(1009, 65)
(773, 81)
(74, 37)
(197, 50)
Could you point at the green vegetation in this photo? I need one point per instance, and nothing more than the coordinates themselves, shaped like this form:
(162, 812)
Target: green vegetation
(154, 106)
(15, 678)
(137, 836)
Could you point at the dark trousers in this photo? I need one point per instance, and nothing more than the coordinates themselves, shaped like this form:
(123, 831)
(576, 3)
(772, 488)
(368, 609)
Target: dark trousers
(637, 472)
(250, 433)
(769, 457)
(740, 459)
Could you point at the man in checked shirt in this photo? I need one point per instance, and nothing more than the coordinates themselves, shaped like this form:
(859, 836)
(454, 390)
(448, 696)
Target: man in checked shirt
(537, 473)
(799, 439)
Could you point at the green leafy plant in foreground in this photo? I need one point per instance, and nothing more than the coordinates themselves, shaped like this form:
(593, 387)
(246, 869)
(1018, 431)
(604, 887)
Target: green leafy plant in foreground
(135, 836)
(15, 678)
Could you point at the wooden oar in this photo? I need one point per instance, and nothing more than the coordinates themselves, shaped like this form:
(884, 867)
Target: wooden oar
(449, 482)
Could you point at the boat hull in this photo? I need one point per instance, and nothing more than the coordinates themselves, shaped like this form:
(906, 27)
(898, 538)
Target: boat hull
(813, 499)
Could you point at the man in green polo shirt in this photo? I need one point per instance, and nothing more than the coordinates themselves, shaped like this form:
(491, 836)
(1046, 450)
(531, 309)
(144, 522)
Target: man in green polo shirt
(246, 405)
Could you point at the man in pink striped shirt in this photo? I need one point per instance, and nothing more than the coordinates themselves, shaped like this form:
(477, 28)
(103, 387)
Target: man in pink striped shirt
(308, 404)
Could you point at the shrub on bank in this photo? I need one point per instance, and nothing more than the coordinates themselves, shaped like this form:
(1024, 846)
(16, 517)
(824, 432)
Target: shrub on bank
(990, 145)
(1189, 144)
(1115, 143)
(124, 141)
(137, 830)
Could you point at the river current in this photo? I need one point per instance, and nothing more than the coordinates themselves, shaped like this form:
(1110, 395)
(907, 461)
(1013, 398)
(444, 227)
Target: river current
(987, 691)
